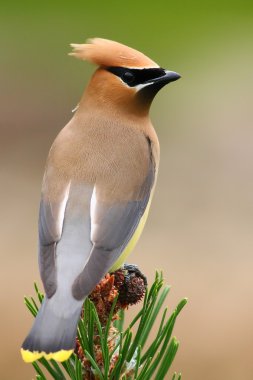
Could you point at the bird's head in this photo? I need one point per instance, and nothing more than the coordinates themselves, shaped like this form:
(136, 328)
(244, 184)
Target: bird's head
(126, 79)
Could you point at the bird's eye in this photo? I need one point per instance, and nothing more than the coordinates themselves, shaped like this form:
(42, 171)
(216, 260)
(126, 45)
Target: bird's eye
(128, 77)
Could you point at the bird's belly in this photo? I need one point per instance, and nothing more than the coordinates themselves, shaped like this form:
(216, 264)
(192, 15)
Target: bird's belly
(133, 241)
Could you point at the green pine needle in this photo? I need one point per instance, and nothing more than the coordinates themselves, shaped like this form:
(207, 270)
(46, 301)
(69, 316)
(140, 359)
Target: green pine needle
(124, 355)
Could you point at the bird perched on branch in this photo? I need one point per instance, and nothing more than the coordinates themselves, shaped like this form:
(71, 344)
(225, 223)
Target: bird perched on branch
(97, 189)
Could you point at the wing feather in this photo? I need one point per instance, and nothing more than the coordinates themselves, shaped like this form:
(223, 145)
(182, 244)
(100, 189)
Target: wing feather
(51, 217)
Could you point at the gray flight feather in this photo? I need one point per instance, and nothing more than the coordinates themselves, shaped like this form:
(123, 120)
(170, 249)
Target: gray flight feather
(50, 228)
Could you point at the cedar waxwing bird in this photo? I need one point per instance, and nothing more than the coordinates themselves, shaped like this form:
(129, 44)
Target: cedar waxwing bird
(97, 188)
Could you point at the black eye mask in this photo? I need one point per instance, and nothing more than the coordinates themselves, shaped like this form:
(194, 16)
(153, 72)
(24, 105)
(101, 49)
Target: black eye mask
(134, 77)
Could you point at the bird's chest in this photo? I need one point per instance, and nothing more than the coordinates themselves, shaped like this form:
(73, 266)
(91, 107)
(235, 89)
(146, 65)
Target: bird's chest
(115, 160)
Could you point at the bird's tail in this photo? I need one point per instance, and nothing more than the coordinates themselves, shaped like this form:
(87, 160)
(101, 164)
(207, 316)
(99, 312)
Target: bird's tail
(53, 334)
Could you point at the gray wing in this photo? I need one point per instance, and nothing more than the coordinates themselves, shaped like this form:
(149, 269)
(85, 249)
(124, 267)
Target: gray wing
(51, 216)
(80, 237)
(112, 227)
(64, 235)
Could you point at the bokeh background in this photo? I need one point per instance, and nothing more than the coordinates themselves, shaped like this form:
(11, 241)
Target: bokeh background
(200, 227)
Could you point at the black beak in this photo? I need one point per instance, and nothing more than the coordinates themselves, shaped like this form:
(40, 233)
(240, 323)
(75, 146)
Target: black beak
(152, 86)
(169, 76)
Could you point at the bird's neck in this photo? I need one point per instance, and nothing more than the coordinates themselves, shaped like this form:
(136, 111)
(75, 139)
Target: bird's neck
(114, 104)
(104, 114)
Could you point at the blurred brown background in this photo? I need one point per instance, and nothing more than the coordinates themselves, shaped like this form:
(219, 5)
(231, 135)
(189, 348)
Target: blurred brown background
(200, 227)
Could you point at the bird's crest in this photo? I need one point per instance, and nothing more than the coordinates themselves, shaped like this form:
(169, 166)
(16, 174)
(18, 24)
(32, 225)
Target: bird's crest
(110, 53)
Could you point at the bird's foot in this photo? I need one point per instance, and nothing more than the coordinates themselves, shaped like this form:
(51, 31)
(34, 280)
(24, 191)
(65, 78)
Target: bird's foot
(130, 283)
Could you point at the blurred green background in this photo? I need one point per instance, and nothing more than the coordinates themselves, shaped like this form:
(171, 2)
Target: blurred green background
(200, 227)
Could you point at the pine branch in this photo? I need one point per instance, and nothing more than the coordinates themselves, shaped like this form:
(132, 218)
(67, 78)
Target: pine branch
(107, 351)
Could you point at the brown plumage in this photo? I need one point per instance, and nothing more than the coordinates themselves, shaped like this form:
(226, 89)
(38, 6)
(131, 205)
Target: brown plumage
(97, 189)
(104, 52)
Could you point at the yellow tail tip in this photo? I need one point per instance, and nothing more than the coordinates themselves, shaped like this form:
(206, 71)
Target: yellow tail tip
(59, 356)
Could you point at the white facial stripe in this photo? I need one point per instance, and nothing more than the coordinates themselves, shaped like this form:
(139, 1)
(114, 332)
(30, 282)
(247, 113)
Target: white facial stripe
(138, 87)
(142, 67)
(141, 86)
